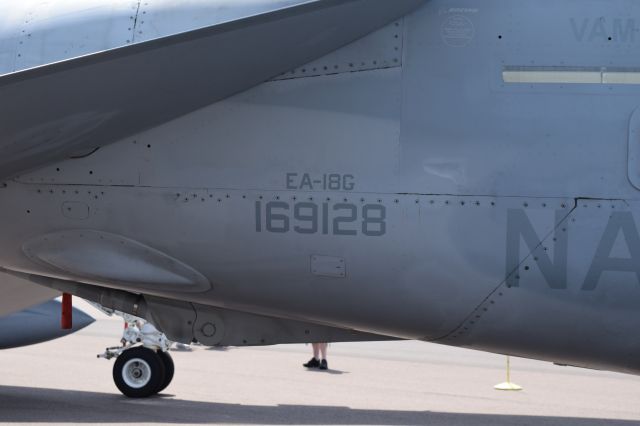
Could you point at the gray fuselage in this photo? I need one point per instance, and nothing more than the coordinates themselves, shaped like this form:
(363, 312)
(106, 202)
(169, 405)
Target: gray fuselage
(467, 175)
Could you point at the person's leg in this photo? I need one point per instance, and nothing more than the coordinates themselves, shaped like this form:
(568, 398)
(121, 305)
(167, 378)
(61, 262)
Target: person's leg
(315, 361)
(317, 347)
(323, 350)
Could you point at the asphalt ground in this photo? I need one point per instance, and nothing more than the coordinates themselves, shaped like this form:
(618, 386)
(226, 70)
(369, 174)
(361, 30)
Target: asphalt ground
(391, 383)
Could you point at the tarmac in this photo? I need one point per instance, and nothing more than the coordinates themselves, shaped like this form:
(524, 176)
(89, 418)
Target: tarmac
(390, 383)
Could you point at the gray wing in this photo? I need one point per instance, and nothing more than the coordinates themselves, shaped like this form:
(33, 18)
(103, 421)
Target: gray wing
(38, 324)
(50, 112)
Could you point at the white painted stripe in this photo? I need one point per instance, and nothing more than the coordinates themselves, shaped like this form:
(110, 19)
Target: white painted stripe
(621, 77)
(570, 76)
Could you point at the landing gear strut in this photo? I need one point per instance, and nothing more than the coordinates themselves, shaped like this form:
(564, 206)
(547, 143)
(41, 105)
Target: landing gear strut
(143, 366)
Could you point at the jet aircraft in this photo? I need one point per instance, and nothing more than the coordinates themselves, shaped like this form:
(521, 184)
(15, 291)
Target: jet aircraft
(257, 172)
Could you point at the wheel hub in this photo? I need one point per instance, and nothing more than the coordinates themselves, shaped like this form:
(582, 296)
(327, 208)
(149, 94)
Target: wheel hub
(136, 373)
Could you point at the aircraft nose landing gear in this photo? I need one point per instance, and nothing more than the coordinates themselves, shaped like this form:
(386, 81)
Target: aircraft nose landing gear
(140, 372)
(143, 366)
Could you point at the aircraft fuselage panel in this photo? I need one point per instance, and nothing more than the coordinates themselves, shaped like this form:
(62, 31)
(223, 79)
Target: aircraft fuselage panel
(472, 183)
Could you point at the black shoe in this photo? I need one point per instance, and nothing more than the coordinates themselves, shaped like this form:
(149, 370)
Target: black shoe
(313, 363)
(324, 365)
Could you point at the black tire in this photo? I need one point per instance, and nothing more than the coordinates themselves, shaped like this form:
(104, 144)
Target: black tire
(169, 369)
(139, 372)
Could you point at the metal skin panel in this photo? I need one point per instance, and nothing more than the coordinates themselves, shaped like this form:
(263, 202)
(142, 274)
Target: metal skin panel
(434, 249)
(36, 32)
(552, 140)
(18, 294)
(10, 21)
(224, 327)
(42, 34)
(44, 30)
(350, 114)
(112, 258)
(123, 84)
(468, 211)
(599, 294)
(381, 49)
(160, 18)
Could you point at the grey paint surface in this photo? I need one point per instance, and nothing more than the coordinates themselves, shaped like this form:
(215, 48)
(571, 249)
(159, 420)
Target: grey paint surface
(465, 210)
(124, 84)
(18, 294)
(38, 324)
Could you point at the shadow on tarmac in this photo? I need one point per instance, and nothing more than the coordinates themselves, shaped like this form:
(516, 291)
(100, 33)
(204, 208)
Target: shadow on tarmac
(329, 371)
(25, 404)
